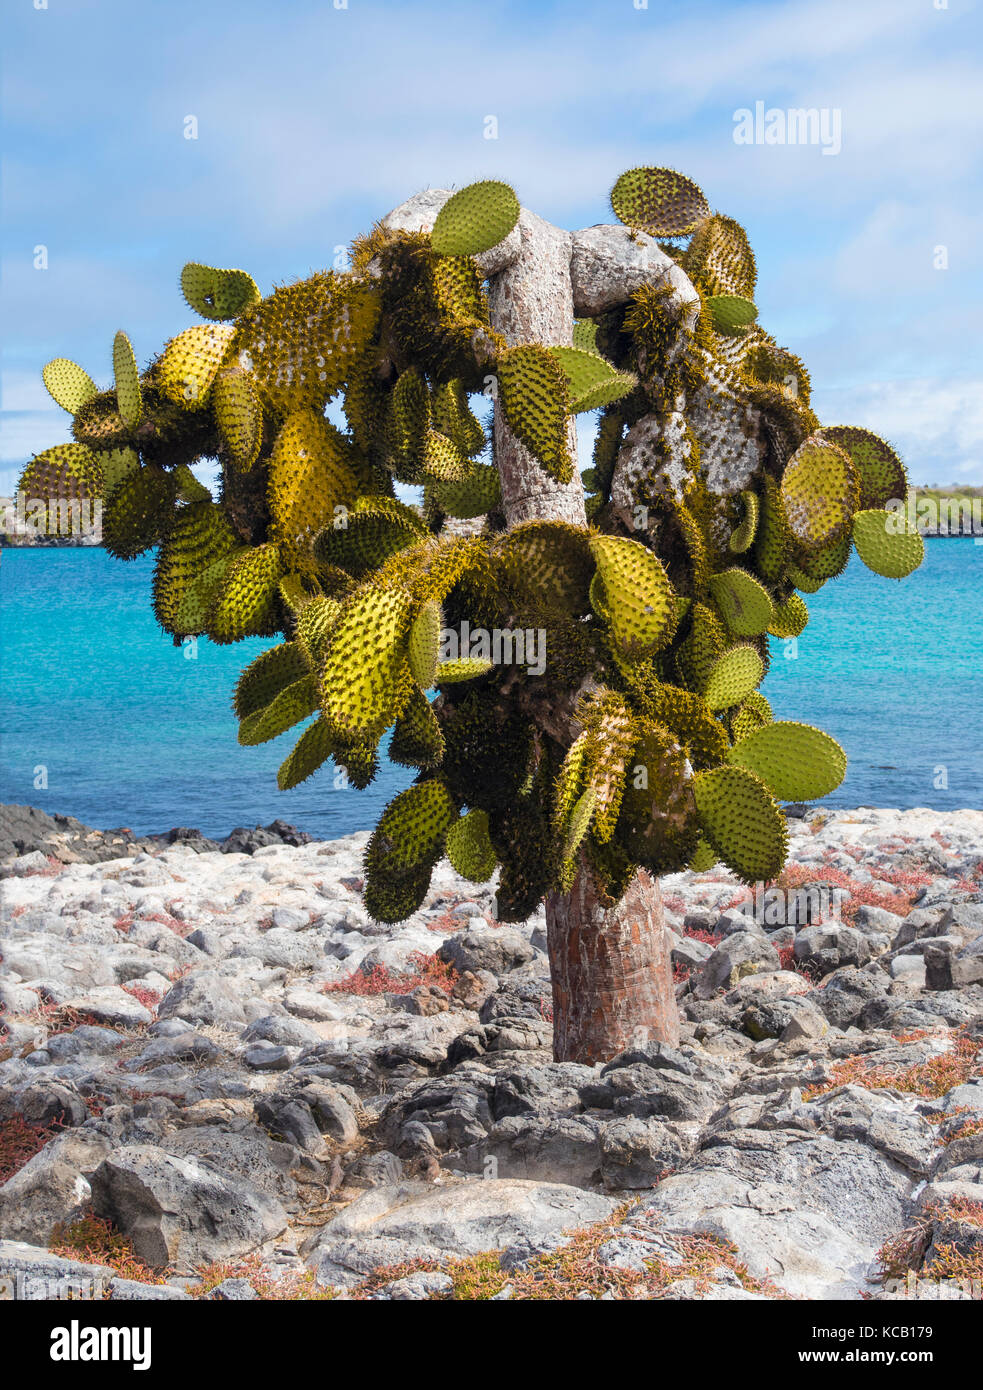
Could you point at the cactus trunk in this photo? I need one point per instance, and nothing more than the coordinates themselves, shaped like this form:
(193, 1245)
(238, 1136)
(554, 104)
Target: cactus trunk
(611, 971)
(610, 966)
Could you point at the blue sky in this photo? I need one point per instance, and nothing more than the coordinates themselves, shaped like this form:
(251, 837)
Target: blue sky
(313, 120)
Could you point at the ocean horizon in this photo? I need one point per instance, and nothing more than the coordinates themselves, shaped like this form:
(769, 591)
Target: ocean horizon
(105, 719)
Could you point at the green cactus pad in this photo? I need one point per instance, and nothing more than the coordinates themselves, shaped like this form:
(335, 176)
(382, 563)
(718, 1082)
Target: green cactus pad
(199, 535)
(264, 678)
(469, 847)
(127, 375)
(138, 513)
(199, 597)
(883, 477)
(309, 477)
(593, 382)
(821, 492)
(885, 544)
(744, 603)
(774, 539)
(827, 562)
(548, 565)
(68, 384)
(417, 739)
(734, 676)
(239, 415)
(443, 460)
(296, 702)
(424, 644)
(637, 597)
(585, 334)
(190, 363)
(688, 716)
(807, 583)
(700, 649)
(312, 749)
(790, 617)
(218, 294)
(362, 683)
(411, 830)
(63, 473)
(410, 424)
(462, 668)
(795, 761)
(657, 825)
(753, 712)
(719, 258)
(743, 537)
(704, 858)
(534, 395)
(477, 494)
(245, 604)
(115, 464)
(453, 416)
(658, 201)
(742, 821)
(731, 314)
(316, 623)
(368, 533)
(475, 219)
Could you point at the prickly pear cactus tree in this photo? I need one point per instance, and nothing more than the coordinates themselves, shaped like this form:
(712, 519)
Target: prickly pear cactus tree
(641, 744)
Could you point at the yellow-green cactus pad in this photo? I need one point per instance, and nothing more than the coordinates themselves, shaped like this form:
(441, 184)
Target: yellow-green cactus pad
(218, 294)
(264, 678)
(703, 645)
(592, 380)
(411, 829)
(410, 423)
(364, 536)
(733, 676)
(753, 711)
(191, 361)
(742, 821)
(743, 537)
(443, 460)
(774, 539)
(806, 582)
(312, 749)
(688, 716)
(704, 858)
(475, 219)
(316, 623)
(199, 535)
(548, 564)
(239, 415)
(199, 597)
(480, 492)
(637, 598)
(534, 395)
(790, 617)
(580, 819)
(245, 604)
(719, 258)
(885, 544)
(658, 201)
(469, 847)
(138, 513)
(127, 375)
(821, 492)
(68, 384)
(731, 314)
(309, 477)
(63, 473)
(585, 334)
(116, 464)
(424, 644)
(453, 416)
(882, 474)
(293, 704)
(395, 899)
(417, 739)
(795, 761)
(744, 603)
(827, 562)
(362, 685)
(657, 826)
(462, 668)
(302, 341)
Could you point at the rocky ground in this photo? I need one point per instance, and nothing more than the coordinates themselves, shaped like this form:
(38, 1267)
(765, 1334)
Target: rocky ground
(219, 1077)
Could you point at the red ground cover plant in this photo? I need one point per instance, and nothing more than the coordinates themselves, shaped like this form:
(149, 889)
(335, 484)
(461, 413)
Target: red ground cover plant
(19, 1142)
(379, 979)
(932, 1078)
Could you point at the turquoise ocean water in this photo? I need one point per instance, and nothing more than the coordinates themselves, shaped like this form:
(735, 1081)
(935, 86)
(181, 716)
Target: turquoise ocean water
(130, 731)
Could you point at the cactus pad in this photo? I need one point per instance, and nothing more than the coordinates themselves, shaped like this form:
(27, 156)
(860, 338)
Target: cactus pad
(734, 675)
(190, 363)
(882, 474)
(885, 544)
(731, 314)
(534, 395)
(795, 761)
(821, 492)
(742, 822)
(68, 384)
(469, 847)
(475, 219)
(218, 294)
(744, 603)
(658, 201)
(362, 682)
(312, 749)
(127, 376)
(636, 597)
